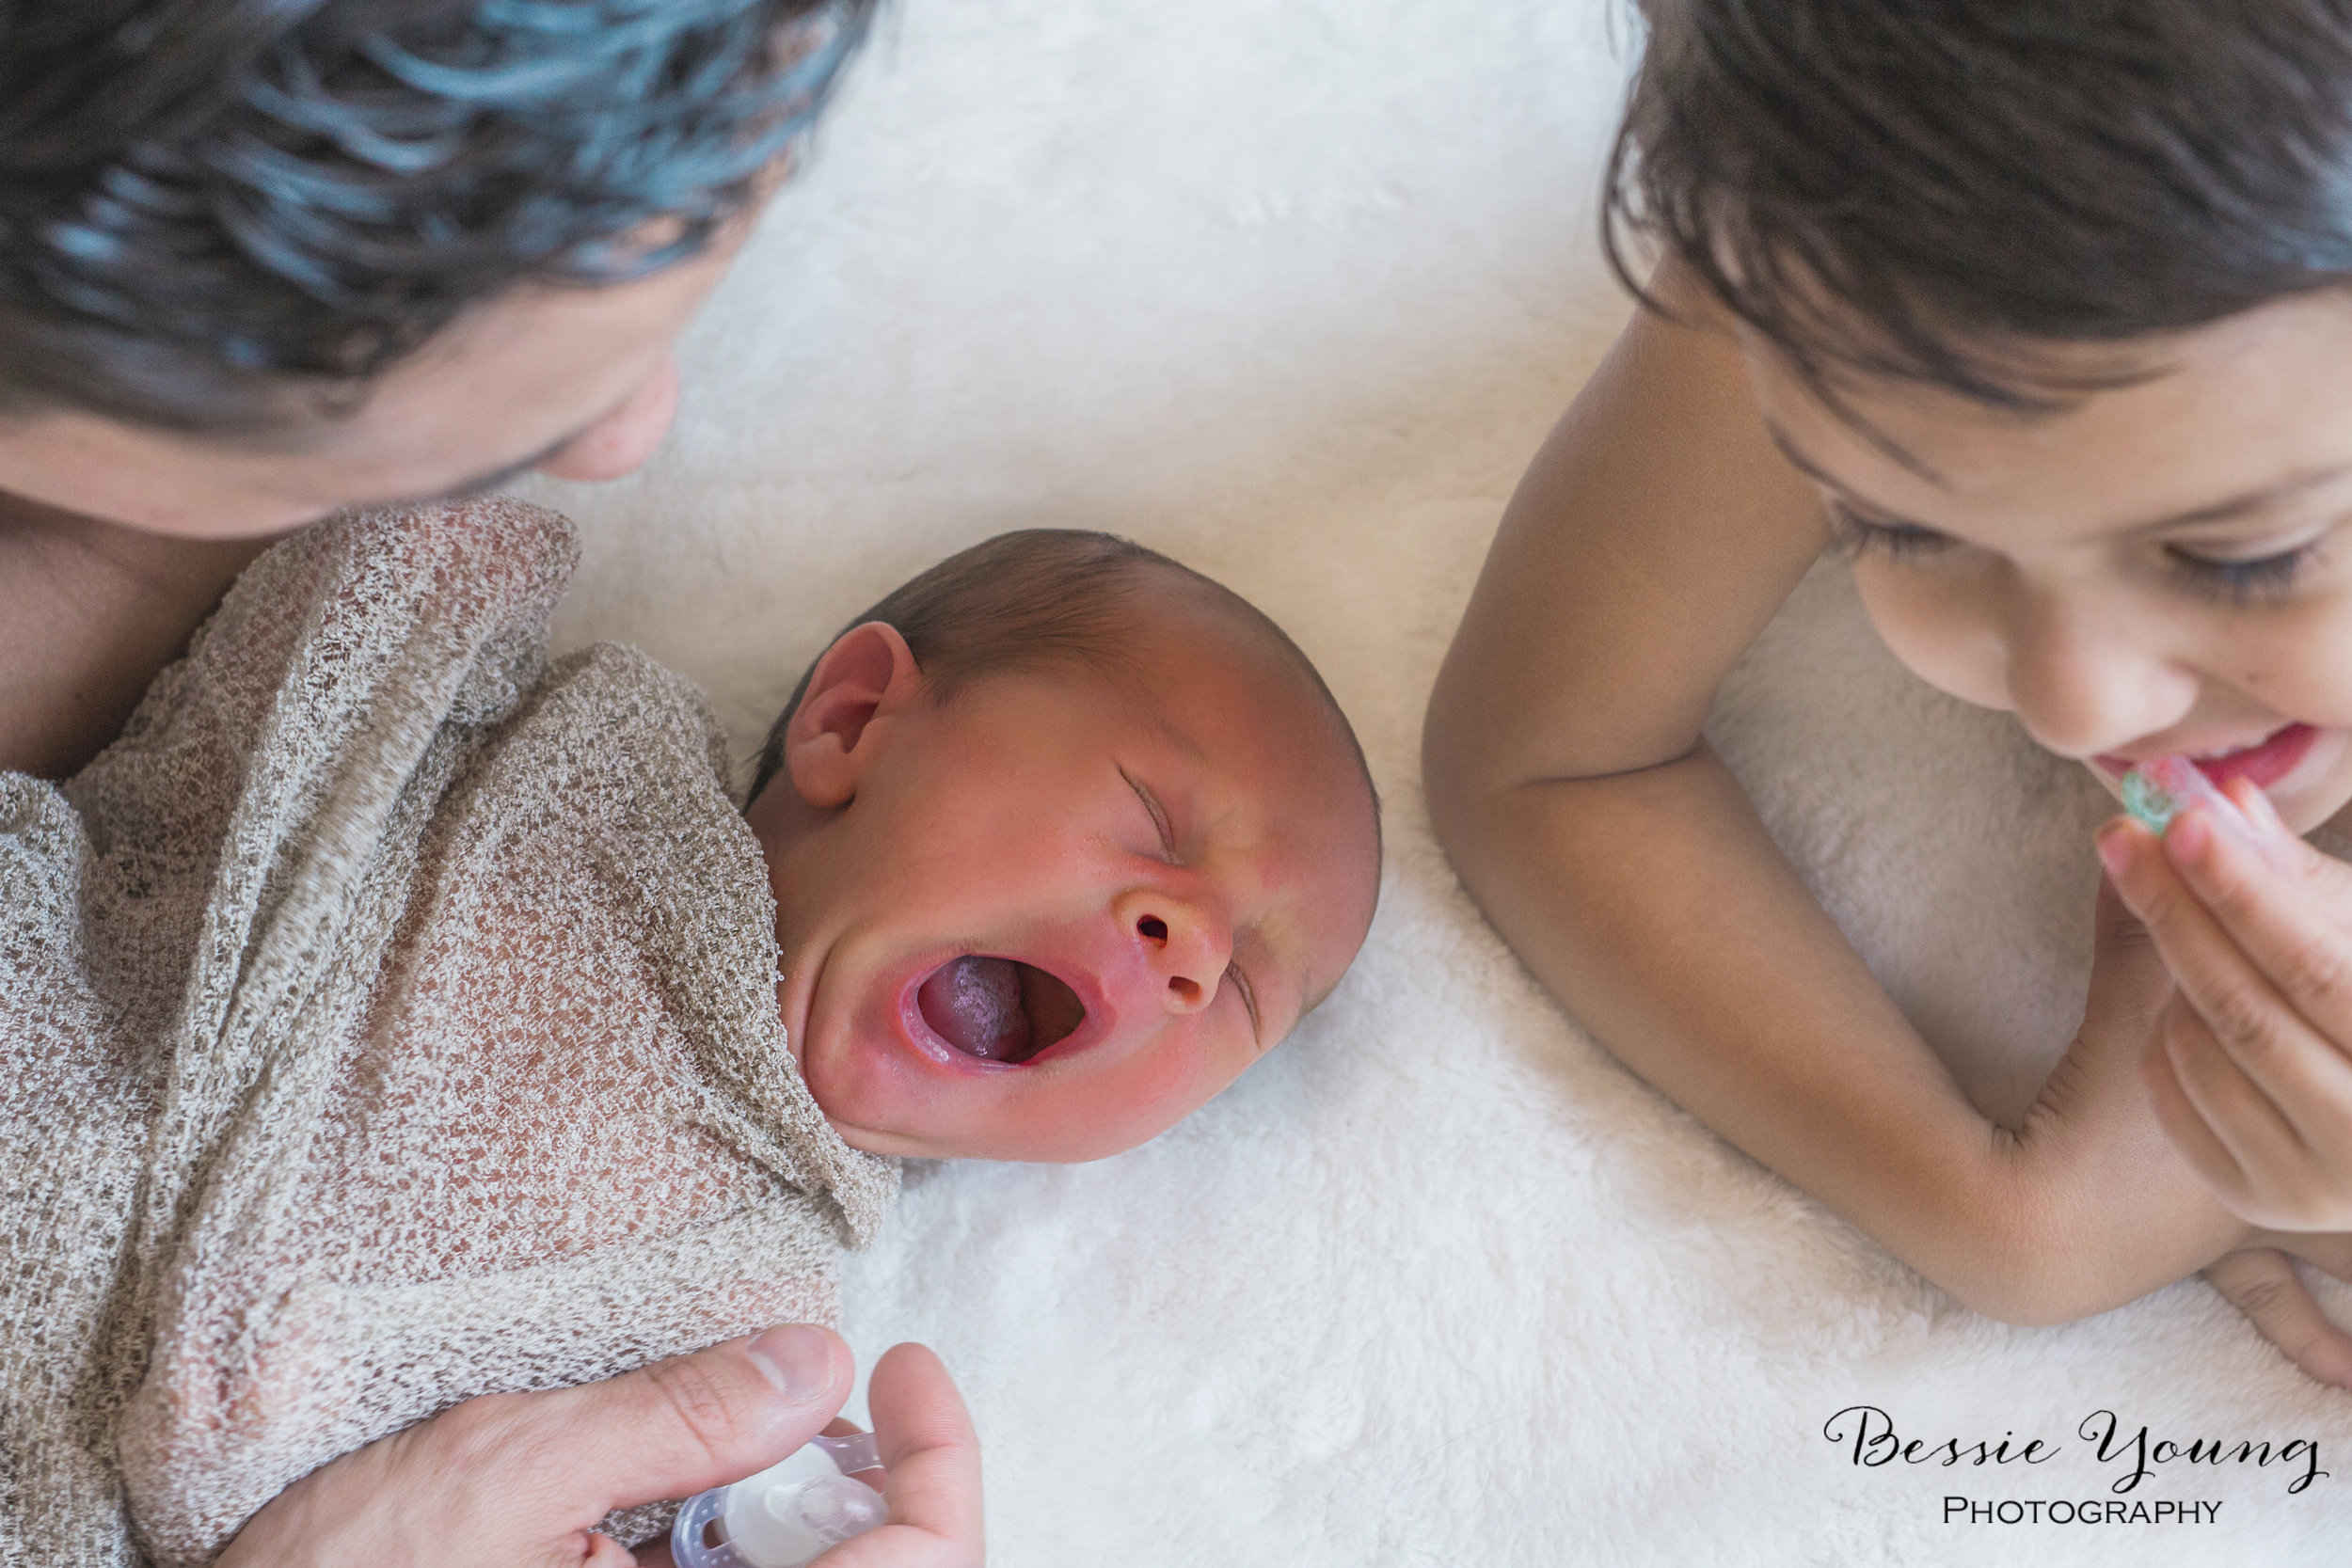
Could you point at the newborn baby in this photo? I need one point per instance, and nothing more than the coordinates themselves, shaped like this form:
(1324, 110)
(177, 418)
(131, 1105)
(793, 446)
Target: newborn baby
(1062, 837)
(402, 1018)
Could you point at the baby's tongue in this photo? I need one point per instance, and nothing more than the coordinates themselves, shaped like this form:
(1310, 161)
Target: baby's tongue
(974, 1005)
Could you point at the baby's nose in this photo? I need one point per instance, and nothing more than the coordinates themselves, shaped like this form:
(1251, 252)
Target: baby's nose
(1185, 946)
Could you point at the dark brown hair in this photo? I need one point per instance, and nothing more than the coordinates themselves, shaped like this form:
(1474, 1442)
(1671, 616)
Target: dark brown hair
(1036, 598)
(1941, 190)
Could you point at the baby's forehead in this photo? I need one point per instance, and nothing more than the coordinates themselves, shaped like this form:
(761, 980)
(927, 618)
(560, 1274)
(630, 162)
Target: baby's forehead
(1188, 663)
(1211, 679)
(1254, 709)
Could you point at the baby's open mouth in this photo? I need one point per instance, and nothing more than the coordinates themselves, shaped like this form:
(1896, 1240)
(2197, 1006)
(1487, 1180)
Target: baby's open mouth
(998, 1009)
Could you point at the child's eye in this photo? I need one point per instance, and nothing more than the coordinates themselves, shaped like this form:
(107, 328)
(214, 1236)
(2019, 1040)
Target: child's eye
(2263, 580)
(1859, 535)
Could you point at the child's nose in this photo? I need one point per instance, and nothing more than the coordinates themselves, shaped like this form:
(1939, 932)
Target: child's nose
(1184, 947)
(2082, 687)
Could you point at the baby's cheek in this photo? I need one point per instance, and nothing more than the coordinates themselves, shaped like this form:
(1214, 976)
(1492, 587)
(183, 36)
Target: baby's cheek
(854, 1086)
(1151, 1092)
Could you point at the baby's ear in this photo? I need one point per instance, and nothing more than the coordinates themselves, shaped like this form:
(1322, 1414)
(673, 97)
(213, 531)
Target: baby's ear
(869, 670)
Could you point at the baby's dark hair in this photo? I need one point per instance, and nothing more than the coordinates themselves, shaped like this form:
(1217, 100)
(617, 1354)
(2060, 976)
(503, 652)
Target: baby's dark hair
(226, 217)
(1941, 190)
(1037, 598)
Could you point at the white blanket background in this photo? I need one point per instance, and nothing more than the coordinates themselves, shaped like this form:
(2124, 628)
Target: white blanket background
(1292, 289)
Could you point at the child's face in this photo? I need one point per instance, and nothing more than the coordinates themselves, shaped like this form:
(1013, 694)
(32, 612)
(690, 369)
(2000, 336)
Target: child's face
(1159, 891)
(2165, 567)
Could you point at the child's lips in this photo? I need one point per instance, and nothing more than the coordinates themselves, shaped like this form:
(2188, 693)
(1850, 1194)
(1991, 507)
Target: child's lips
(2262, 762)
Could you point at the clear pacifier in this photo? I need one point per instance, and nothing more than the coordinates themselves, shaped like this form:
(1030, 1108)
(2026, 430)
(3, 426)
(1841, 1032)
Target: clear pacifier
(785, 1515)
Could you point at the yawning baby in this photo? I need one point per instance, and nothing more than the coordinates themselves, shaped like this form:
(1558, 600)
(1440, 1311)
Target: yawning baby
(403, 1016)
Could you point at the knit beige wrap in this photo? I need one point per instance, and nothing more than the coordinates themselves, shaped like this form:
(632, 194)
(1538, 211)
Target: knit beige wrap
(390, 1017)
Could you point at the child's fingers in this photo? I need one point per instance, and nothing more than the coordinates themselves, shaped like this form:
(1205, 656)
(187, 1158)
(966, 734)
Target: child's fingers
(2329, 1252)
(2128, 981)
(2300, 1071)
(2186, 1126)
(2263, 1284)
(2244, 1147)
(2287, 852)
(2257, 1136)
(2297, 927)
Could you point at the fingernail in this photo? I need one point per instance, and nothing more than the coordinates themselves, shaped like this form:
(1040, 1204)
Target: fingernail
(798, 1359)
(2172, 788)
(2115, 851)
(2260, 831)
(2270, 813)
(2258, 809)
(2250, 803)
(2191, 833)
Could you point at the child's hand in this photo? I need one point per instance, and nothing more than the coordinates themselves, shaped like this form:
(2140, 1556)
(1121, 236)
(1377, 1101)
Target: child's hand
(2260, 1280)
(2250, 1063)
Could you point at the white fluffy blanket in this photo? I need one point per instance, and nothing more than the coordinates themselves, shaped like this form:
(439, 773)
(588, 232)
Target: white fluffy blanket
(1292, 289)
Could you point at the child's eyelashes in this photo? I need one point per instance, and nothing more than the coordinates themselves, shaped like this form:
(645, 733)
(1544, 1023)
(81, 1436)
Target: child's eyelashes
(2260, 579)
(1860, 535)
(2263, 580)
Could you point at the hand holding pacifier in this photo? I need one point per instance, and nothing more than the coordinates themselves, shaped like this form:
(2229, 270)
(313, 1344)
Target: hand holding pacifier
(809, 1509)
(788, 1515)
(2250, 1063)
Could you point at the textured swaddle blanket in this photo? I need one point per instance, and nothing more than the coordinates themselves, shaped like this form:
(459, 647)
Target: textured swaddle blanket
(390, 1018)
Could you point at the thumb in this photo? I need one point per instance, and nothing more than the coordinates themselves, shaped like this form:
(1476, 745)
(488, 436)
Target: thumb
(691, 1423)
(2262, 1283)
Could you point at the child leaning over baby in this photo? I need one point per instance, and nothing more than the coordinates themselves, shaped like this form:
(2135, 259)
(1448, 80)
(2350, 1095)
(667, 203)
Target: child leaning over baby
(500, 1051)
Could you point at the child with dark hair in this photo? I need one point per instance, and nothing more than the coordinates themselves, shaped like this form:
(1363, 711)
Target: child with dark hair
(2039, 313)
(395, 1016)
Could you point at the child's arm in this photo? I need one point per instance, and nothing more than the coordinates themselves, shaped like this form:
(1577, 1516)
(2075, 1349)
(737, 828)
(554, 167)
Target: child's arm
(1656, 534)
